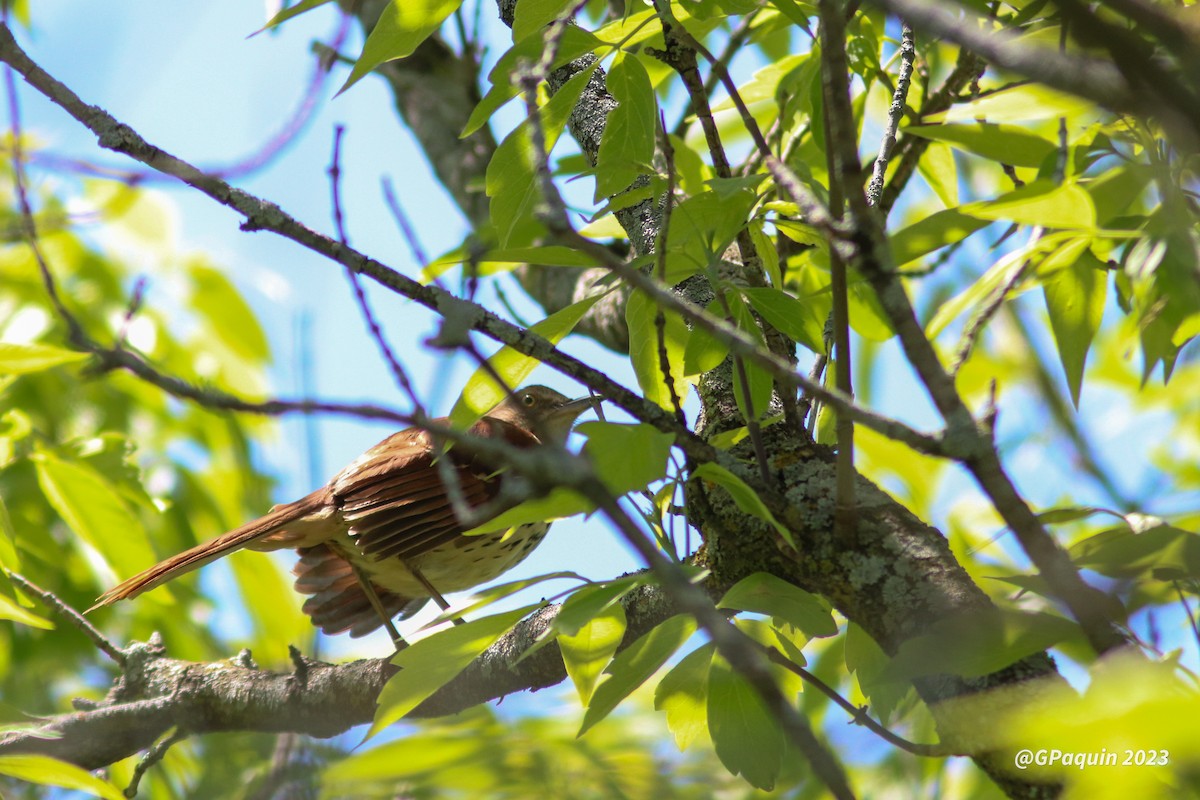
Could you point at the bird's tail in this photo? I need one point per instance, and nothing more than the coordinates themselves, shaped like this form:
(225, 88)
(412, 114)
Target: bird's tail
(248, 535)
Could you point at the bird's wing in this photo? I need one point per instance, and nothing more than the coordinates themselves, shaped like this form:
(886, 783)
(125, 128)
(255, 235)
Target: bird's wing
(393, 498)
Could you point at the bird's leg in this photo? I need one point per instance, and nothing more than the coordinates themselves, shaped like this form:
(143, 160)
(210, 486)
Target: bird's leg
(433, 593)
(373, 598)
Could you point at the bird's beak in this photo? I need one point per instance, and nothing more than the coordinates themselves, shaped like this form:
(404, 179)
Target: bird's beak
(558, 423)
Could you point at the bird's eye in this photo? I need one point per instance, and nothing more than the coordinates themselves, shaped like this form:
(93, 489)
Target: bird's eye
(528, 400)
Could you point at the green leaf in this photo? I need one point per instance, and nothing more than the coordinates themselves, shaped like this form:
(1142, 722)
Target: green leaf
(1030, 101)
(703, 351)
(289, 12)
(1127, 551)
(764, 593)
(1007, 144)
(589, 651)
(408, 758)
(997, 275)
(757, 380)
(932, 233)
(938, 169)
(10, 559)
(979, 643)
(1075, 296)
(683, 695)
(869, 663)
(626, 457)
(530, 16)
(482, 598)
(401, 28)
(230, 318)
(22, 359)
(545, 256)
(767, 251)
(559, 504)
(511, 182)
(742, 495)
(95, 511)
(788, 315)
(575, 41)
(1059, 516)
(645, 352)
(627, 144)
(1040, 203)
(583, 605)
(702, 226)
(52, 772)
(481, 393)
(11, 611)
(635, 664)
(431, 663)
(745, 734)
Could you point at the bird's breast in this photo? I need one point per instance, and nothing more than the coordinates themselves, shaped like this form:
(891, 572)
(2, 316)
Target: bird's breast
(462, 563)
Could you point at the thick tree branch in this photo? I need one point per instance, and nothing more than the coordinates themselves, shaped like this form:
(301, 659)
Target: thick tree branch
(156, 693)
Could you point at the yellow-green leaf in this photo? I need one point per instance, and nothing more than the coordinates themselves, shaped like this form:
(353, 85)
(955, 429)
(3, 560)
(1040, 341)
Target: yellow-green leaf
(289, 12)
(1007, 144)
(52, 772)
(1075, 288)
(21, 359)
(683, 695)
(9, 558)
(636, 664)
(764, 593)
(401, 28)
(933, 232)
(530, 16)
(11, 611)
(1040, 203)
(745, 734)
(742, 495)
(587, 652)
(431, 663)
(95, 511)
(626, 457)
(645, 349)
(511, 181)
(627, 144)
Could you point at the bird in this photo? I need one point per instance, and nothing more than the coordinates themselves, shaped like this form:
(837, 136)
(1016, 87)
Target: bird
(383, 536)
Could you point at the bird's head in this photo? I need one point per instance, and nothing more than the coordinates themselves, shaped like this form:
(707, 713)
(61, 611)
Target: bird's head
(547, 413)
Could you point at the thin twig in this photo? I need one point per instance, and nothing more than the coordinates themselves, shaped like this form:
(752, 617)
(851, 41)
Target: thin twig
(74, 617)
(908, 54)
(859, 715)
(402, 220)
(1187, 611)
(360, 295)
(981, 318)
(660, 264)
(154, 755)
(833, 35)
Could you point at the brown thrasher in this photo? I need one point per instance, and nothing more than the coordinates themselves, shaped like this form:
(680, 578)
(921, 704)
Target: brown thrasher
(383, 537)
